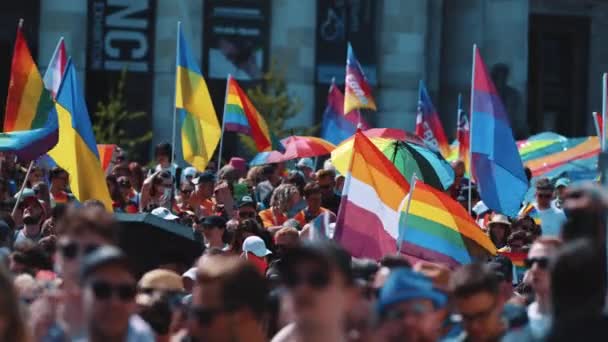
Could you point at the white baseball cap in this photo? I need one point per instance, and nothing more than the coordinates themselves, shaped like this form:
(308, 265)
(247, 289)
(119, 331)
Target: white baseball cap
(164, 213)
(255, 245)
(306, 162)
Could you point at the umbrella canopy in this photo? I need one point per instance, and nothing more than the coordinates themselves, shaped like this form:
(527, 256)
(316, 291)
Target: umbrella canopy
(295, 147)
(392, 133)
(409, 158)
(305, 147)
(271, 157)
(149, 241)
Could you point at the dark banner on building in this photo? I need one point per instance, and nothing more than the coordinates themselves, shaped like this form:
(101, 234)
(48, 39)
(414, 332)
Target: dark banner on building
(340, 21)
(236, 39)
(121, 37)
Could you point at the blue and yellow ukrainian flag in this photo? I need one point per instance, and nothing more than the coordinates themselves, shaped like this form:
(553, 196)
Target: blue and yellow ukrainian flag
(200, 129)
(76, 150)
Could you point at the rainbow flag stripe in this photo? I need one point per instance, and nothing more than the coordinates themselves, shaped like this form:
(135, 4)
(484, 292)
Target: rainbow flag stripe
(200, 129)
(241, 116)
(439, 229)
(28, 103)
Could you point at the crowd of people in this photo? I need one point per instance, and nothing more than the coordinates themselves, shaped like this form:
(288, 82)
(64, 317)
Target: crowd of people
(269, 270)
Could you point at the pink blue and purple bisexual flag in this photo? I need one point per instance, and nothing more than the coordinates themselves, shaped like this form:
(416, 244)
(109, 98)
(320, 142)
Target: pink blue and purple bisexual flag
(496, 165)
(337, 126)
(428, 124)
(357, 92)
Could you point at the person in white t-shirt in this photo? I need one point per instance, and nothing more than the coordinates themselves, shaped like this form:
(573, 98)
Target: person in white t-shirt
(546, 215)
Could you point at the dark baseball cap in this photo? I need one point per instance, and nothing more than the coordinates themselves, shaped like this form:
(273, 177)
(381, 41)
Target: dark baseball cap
(246, 200)
(103, 256)
(214, 221)
(204, 177)
(326, 252)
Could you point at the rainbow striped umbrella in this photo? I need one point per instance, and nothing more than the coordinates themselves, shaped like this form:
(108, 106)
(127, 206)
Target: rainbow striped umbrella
(408, 157)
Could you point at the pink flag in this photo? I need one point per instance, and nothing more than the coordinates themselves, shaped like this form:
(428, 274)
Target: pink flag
(54, 72)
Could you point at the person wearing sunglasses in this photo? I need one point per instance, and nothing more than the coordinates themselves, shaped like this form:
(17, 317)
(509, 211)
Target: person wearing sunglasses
(544, 213)
(108, 298)
(80, 232)
(409, 308)
(327, 181)
(537, 264)
(319, 286)
(228, 301)
(214, 229)
(477, 297)
(33, 216)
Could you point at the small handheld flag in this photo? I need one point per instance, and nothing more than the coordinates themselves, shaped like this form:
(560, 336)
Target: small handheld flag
(357, 92)
(428, 125)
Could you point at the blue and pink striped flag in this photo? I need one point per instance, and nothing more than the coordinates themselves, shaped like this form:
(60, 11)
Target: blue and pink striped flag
(496, 165)
(336, 126)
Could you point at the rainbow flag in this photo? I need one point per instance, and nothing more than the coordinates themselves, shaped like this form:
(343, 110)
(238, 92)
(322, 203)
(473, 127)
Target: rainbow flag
(200, 129)
(531, 211)
(357, 92)
(76, 150)
(495, 165)
(372, 221)
(28, 103)
(462, 135)
(241, 116)
(54, 72)
(440, 230)
(106, 154)
(428, 124)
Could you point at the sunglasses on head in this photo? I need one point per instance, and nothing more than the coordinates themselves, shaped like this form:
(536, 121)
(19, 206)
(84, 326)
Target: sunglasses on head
(204, 316)
(543, 262)
(104, 290)
(317, 279)
(71, 250)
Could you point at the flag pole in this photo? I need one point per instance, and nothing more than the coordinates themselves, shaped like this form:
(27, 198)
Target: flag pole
(173, 137)
(604, 90)
(471, 127)
(407, 210)
(219, 156)
(20, 194)
(596, 124)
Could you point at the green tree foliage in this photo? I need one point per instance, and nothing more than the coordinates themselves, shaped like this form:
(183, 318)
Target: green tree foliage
(274, 102)
(113, 123)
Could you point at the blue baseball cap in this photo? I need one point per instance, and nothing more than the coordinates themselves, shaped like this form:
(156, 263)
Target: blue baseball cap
(403, 284)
